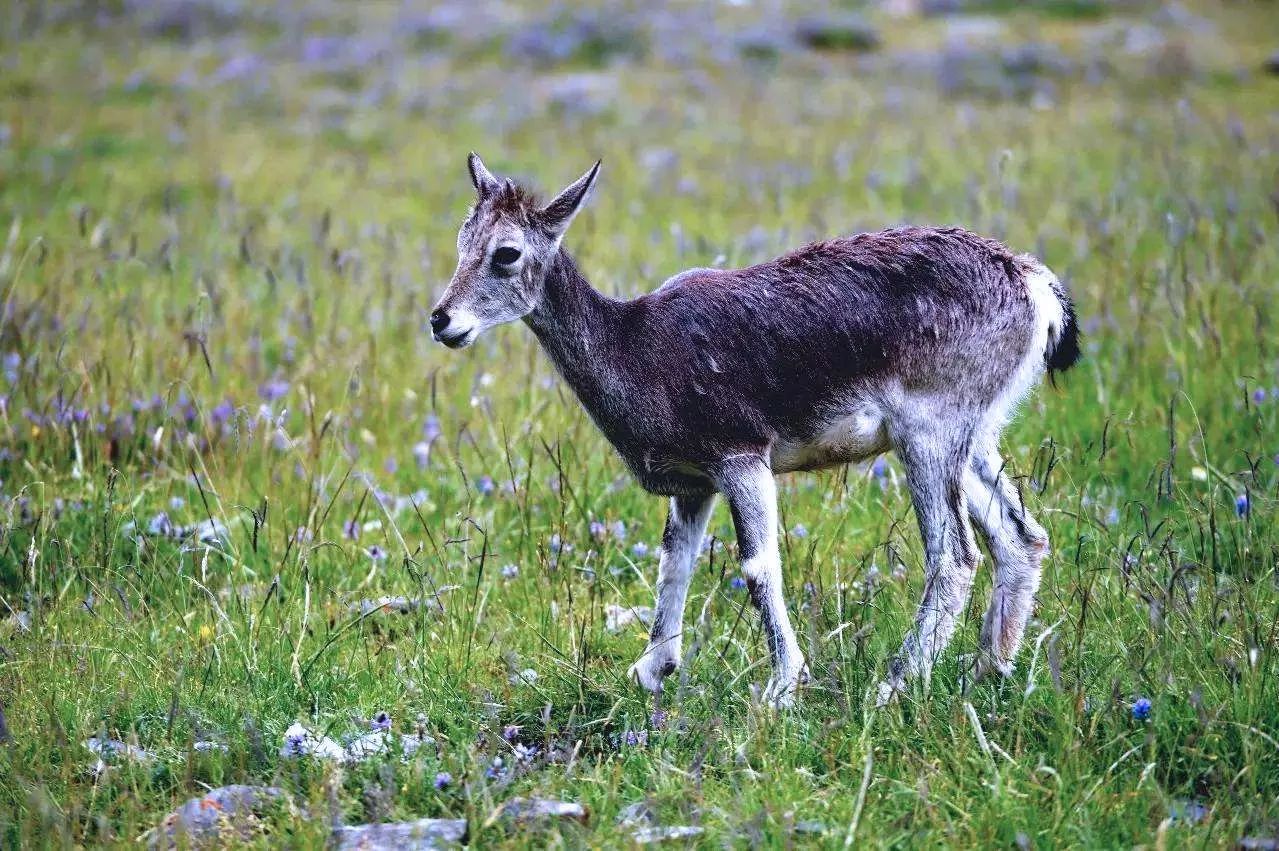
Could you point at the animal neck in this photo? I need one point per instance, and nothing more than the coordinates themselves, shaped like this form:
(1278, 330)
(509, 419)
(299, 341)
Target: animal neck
(574, 323)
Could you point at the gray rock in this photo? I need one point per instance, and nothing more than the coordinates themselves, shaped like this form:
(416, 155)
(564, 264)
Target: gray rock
(224, 815)
(539, 810)
(654, 835)
(1272, 63)
(421, 835)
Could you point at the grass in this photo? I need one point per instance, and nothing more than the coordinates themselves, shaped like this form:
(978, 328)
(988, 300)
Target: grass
(274, 242)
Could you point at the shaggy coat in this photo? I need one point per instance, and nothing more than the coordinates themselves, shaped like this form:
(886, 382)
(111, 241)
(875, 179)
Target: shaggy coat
(915, 340)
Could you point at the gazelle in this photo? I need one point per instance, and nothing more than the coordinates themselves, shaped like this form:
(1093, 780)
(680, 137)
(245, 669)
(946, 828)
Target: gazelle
(918, 340)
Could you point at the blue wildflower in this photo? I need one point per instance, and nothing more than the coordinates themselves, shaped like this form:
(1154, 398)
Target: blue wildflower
(635, 738)
(1242, 506)
(1112, 517)
(160, 524)
(351, 530)
(376, 553)
(619, 530)
(1141, 708)
(485, 485)
(639, 549)
(597, 530)
(422, 453)
(510, 571)
(442, 780)
(431, 427)
(1259, 395)
(799, 531)
(879, 467)
(381, 721)
(557, 543)
(390, 465)
(176, 503)
(738, 583)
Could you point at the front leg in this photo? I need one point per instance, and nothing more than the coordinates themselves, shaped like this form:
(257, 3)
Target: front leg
(681, 542)
(747, 483)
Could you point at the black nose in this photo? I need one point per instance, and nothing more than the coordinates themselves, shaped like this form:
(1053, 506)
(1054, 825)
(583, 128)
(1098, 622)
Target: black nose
(439, 321)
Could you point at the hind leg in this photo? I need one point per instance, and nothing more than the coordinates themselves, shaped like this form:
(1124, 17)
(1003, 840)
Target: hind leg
(1017, 543)
(936, 458)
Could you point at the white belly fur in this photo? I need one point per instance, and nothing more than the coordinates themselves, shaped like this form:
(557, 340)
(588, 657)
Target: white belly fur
(853, 436)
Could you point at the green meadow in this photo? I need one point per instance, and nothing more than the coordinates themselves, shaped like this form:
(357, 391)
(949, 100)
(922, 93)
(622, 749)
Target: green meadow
(242, 489)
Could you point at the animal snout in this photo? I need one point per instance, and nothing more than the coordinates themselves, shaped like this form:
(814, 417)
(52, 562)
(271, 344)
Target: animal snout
(439, 320)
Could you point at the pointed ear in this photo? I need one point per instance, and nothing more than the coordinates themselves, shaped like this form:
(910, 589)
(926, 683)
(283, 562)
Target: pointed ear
(485, 182)
(557, 215)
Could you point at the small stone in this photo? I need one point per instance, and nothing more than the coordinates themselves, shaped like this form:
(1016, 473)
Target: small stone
(618, 618)
(636, 815)
(393, 605)
(1272, 63)
(653, 835)
(532, 810)
(224, 815)
(421, 835)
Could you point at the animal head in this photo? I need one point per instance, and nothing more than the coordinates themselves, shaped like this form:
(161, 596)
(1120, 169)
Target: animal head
(504, 248)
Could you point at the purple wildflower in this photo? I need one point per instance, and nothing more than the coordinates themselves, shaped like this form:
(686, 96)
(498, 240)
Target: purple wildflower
(597, 530)
(442, 780)
(639, 549)
(1112, 517)
(381, 721)
(1259, 395)
(510, 571)
(301, 535)
(511, 732)
(274, 390)
(176, 503)
(376, 553)
(879, 467)
(635, 738)
(431, 427)
(485, 485)
(799, 531)
(390, 466)
(618, 528)
(1141, 708)
(351, 530)
(557, 543)
(1242, 505)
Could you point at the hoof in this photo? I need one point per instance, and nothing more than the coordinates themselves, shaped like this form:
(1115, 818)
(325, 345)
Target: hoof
(653, 667)
(887, 693)
(782, 689)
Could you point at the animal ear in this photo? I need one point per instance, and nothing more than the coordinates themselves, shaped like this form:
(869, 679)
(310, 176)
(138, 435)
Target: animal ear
(557, 215)
(485, 182)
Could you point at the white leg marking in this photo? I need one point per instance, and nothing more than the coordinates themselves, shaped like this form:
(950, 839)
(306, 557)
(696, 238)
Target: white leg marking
(1018, 544)
(685, 528)
(935, 464)
(748, 484)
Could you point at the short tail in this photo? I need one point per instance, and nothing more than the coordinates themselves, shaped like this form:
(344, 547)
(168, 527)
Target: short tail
(1064, 353)
(1054, 308)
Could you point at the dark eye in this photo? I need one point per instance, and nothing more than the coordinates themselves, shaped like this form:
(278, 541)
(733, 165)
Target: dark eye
(506, 256)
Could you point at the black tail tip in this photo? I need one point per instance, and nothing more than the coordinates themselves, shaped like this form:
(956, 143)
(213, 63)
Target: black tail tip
(1065, 353)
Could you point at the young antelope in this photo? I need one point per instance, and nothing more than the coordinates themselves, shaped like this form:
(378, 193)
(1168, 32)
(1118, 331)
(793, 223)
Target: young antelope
(918, 340)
